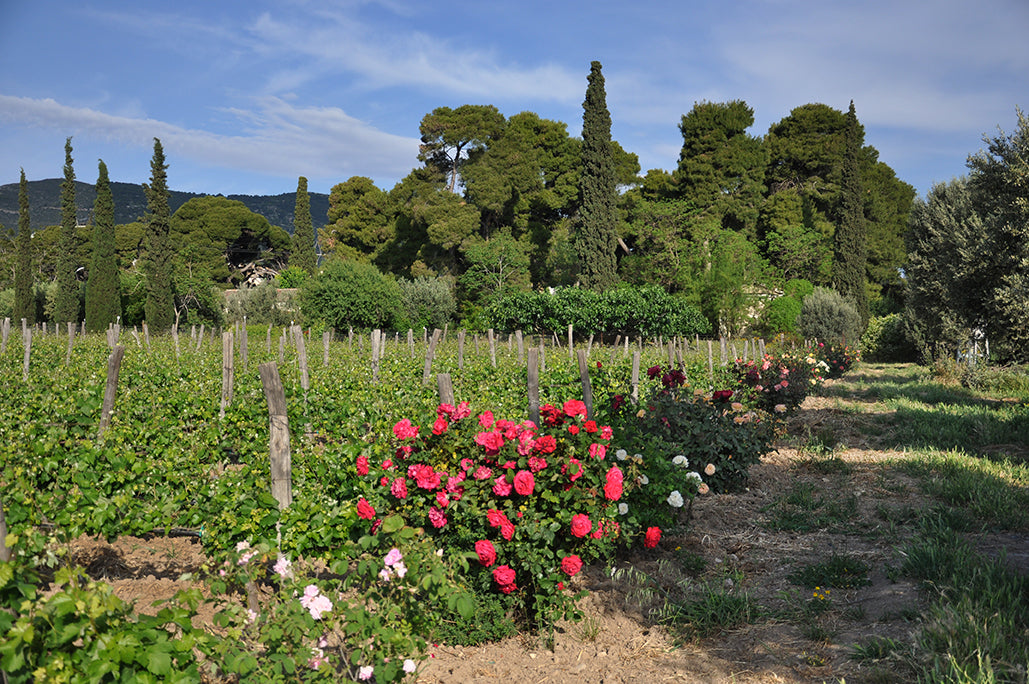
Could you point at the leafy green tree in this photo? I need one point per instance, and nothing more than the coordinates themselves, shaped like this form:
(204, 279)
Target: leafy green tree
(24, 302)
(428, 302)
(197, 298)
(495, 266)
(66, 306)
(447, 134)
(598, 222)
(361, 221)
(721, 167)
(103, 298)
(850, 248)
(1000, 194)
(158, 250)
(303, 254)
(348, 294)
(227, 236)
(794, 239)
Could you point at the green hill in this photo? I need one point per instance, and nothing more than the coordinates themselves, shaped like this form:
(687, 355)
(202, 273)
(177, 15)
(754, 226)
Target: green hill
(130, 204)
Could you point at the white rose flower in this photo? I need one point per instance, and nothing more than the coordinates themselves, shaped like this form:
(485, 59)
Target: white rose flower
(621, 454)
(644, 480)
(694, 476)
(680, 461)
(623, 508)
(675, 499)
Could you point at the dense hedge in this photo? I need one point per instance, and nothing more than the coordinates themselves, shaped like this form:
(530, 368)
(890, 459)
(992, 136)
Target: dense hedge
(636, 311)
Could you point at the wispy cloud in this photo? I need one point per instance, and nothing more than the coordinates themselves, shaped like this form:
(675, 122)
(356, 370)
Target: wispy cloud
(278, 138)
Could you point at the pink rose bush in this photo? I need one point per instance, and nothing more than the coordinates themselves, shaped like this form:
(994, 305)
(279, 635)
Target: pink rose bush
(538, 501)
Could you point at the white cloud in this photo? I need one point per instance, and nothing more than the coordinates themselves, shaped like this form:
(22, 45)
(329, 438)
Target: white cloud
(278, 139)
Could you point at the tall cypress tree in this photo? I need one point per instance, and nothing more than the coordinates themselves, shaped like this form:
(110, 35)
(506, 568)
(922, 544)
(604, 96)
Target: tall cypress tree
(597, 230)
(66, 302)
(303, 255)
(157, 265)
(24, 302)
(850, 245)
(103, 295)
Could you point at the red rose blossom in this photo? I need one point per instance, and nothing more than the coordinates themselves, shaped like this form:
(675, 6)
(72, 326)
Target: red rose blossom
(364, 509)
(571, 565)
(504, 575)
(581, 525)
(524, 482)
(487, 553)
(362, 465)
(652, 538)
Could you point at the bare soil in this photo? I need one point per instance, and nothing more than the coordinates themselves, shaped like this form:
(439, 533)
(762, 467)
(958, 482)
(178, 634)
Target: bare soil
(626, 635)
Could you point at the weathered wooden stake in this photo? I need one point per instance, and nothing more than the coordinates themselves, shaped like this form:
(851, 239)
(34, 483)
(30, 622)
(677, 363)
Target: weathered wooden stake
(298, 340)
(710, 362)
(521, 346)
(27, 339)
(326, 338)
(446, 389)
(587, 388)
(228, 369)
(429, 354)
(492, 347)
(71, 342)
(460, 349)
(635, 378)
(375, 355)
(110, 388)
(534, 386)
(410, 341)
(278, 435)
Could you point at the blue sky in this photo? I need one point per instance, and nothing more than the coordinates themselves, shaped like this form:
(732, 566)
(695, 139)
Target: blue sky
(248, 96)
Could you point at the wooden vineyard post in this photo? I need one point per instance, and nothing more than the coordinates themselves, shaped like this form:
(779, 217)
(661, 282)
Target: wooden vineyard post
(298, 340)
(200, 336)
(735, 354)
(175, 339)
(429, 354)
(521, 346)
(244, 344)
(375, 355)
(326, 338)
(446, 389)
(410, 341)
(710, 362)
(761, 347)
(71, 342)
(278, 434)
(27, 339)
(268, 339)
(635, 380)
(571, 354)
(724, 353)
(5, 332)
(534, 386)
(110, 388)
(282, 348)
(228, 368)
(146, 335)
(543, 356)
(492, 347)
(460, 350)
(587, 388)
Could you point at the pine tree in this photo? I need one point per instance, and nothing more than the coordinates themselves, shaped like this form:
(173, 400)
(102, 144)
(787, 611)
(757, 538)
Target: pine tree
(157, 265)
(24, 302)
(850, 245)
(103, 296)
(303, 255)
(596, 235)
(66, 302)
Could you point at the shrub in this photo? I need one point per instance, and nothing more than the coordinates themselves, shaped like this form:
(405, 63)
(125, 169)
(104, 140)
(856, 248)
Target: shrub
(291, 277)
(646, 311)
(781, 315)
(825, 315)
(688, 441)
(838, 358)
(348, 294)
(886, 340)
(779, 384)
(798, 288)
(427, 302)
(260, 305)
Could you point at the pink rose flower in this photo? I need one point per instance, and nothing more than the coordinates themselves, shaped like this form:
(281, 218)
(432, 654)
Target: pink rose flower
(524, 482)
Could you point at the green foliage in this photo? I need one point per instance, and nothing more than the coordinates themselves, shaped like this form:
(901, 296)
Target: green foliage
(713, 612)
(346, 294)
(597, 225)
(721, 167)
(839, 571)
(66, 306)
(798, 288)
(489, 623)
(825, 315)
(158, 251)
(360, 223)
(780, 316)
(778, 384)
(720, 438)
(222, 235)
(886, 340)
(303, 255)
(291, 277)
(24, 303)
(103, 297)
(448, 133)
(850, 243)
(838, 358)
(646, 311)
(427, 302)
(497, 265)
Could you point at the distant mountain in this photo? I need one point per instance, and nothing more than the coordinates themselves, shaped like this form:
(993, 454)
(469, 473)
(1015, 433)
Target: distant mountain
(130, 204)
